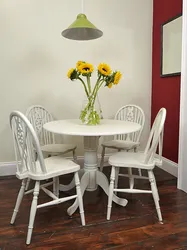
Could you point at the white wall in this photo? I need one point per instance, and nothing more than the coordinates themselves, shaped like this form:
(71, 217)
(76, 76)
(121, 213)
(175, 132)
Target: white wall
(34, 58)
(182, 170)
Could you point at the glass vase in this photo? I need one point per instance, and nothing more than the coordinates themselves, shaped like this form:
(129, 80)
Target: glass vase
(91, 112)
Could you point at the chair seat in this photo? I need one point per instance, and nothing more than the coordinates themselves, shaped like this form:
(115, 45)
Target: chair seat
(58, 148)
(130, 160)
(55, 166)
(120, 144)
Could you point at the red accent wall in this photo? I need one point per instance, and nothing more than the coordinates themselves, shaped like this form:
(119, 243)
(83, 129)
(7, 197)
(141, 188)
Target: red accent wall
(165, 91)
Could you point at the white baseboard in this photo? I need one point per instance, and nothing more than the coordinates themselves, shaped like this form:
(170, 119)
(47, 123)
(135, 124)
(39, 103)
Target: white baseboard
(9, 168)
(169, 166)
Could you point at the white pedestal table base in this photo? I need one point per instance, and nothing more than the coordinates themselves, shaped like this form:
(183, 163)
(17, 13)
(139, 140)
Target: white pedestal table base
(92, 177)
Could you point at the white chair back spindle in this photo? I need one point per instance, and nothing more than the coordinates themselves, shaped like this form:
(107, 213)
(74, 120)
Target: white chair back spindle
(131, 113)
(24, 138)
(38, 116)
(156, 138)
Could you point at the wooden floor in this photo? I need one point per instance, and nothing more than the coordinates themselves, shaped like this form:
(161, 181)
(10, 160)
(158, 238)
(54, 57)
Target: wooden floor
(132, 227)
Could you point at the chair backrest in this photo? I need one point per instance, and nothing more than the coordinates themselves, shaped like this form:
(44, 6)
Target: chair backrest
(131, 113)
(24, 137)
(155, 138)
(38, 116)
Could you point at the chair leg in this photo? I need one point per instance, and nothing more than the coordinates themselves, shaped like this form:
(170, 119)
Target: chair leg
(33, 211)
(131, 179)
(74, 156)
(27, 184)
(155, 193)
(116, 178)
(56, 186)
(139, 170)
(111, 190)
(18, 201)
(79, 197)
(102, 159)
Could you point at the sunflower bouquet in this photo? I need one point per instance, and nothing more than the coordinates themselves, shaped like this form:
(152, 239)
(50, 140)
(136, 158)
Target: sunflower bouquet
(106, 77)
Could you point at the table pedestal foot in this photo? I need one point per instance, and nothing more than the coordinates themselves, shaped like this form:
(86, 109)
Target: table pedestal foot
(102, 181)
(71, 185)
(83, 185)
(68, 187)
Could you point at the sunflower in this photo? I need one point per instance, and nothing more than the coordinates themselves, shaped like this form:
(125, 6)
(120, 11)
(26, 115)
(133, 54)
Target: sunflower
(85, 68)
(109, 85)
(72, 74)
(104, 69)
(79, 63)
(117, 77)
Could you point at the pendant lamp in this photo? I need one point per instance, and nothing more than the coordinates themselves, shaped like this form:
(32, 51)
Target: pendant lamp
(82, 29)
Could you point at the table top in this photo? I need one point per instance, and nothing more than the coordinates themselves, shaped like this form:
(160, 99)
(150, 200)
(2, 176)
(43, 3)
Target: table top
(106, 127)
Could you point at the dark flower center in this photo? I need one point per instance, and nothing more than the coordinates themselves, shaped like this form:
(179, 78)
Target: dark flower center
(86, 68)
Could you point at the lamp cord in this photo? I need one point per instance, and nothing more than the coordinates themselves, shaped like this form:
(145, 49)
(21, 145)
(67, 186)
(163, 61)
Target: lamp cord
(82, 6)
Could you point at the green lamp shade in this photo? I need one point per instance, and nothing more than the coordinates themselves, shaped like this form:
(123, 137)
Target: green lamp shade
(82, 29)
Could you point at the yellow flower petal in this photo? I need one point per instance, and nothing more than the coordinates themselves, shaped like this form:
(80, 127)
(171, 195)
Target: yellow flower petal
(110, 85)
(104, 69)
(117, 77)
(79, 63)
(70, 72)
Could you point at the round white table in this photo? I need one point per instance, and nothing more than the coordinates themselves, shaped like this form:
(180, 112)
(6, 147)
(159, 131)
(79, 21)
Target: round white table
(91, 176)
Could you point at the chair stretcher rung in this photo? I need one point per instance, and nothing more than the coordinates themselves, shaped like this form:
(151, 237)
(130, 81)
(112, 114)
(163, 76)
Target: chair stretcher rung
(135, 191)
(49, 193)
(43, 185)
(135, 176)
(50, 203)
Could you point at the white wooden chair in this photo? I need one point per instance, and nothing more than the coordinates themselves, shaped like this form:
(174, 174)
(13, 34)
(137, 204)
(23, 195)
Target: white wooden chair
(38, 116)
(131, 113)
(24, 137)
(143, 160)
(127, 142)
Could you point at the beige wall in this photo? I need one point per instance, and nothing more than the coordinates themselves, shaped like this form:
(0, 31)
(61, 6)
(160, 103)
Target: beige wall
(34, 58)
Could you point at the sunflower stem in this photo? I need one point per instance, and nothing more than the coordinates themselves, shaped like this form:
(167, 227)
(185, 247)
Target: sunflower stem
(96, 89)
(98, 80)
(89, 84)
(84, 86)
